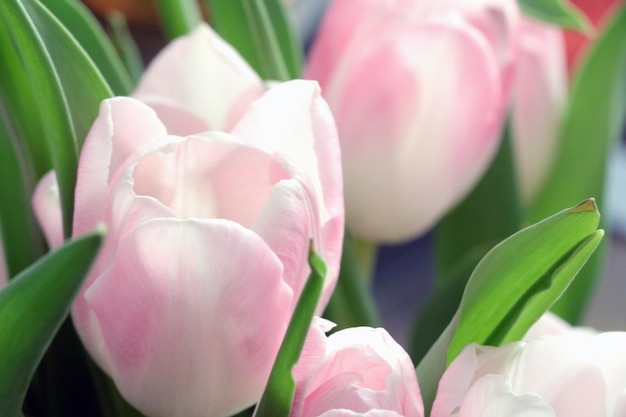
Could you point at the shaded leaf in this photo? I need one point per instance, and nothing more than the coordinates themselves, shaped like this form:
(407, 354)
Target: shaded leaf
(32, 308)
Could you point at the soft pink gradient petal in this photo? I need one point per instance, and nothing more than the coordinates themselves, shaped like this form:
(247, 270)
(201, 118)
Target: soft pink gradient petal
(363, 369)
(294, 122)
(548, 325)
(491, 396)
(286, 223)
(176, 118)
(539, 96)
(574, 385)
(412, 129)
(607, 350)
(196, 283)
(576, 372)
(497, 20)
(344, 22)
(47, 208)
(370, 413)
(203, 75)
(122, 126)
(311, 357)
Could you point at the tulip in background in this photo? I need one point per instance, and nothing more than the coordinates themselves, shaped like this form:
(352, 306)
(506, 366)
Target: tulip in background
(419, 90)
(208, 234)
(539, 96)
(558, 371)
(353, 372)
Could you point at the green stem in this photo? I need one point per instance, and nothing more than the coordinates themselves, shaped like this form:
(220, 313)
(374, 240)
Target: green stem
(352, 303)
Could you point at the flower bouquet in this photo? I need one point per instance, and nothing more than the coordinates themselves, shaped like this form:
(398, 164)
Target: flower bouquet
(198, 238)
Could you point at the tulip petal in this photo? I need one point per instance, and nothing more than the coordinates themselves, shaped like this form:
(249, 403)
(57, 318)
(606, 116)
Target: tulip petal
(287, 223)
(364, 369)
(183, 72)
(213, 287)
(574, 386)
(122, 126)
(491, 396)
(539, 96)
(47, 208)
(292, 120)
(409, 142)
(335, 35)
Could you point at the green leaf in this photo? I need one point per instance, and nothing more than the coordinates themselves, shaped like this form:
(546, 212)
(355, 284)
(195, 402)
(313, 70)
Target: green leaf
(89, 33)
(19, 98)
(125, 44)
(281, 387)
(592, 123)
(179, 16)
(557, 12)
(32, 308)
(23, 243)
(267, 41)
(513, 285)
(487, 216)
(69, 87)
(352, 304)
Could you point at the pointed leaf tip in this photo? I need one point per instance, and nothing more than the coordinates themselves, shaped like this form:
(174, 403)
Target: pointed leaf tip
(587, 205)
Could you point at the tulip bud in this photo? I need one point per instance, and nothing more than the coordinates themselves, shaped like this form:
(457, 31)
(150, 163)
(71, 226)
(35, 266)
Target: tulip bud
(356, 371)
(419, 92)
(569, 373)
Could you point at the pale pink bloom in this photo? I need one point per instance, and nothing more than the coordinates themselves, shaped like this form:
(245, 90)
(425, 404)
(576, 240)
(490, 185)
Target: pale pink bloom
(208, 236)
(539, 95)
(567, 372)
(355, 372)
(198, 83)
(419, 91)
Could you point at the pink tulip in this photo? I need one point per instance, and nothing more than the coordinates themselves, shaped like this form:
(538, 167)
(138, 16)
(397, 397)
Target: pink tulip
(208, 234)
(540, 92)
(355, 372)
(565, 373)
(419, 91)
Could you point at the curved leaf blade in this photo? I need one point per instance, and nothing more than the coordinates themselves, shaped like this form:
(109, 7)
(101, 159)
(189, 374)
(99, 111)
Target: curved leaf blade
(513, 285)
(281, 387)
(557, 12)
(69, 86)
(593, 121)
(89, 33)
(32, 308)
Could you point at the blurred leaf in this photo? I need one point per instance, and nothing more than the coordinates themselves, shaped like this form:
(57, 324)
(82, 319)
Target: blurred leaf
(69, 87)
(513, 285)
(125, 44)
(267, 40)
(89, 33)
(19, 99)
(179, 17)
(32, 308)
(557, 12)
(488, 215)
(352, 303)
(281, 387)
(592, 123)
(23, 243)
